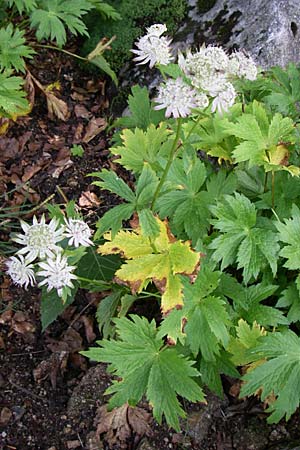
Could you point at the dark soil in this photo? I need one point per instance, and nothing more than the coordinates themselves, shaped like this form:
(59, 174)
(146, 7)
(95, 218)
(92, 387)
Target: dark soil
(51, 396)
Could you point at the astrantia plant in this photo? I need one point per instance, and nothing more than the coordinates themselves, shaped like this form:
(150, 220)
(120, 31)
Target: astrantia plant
(241, 219)
(209, 228)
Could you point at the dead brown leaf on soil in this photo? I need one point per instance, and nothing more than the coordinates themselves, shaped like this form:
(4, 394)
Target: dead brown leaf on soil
(94, 128)
(122, 425)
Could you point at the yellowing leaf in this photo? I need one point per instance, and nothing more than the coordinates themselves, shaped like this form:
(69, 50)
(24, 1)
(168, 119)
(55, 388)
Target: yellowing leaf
(161, 260)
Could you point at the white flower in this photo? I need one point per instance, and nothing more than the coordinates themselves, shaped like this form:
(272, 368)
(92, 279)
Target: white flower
(20, 271)
(224, 100)
(206, 67)
(39, 239)
(153, 48)
(156, 30)
(178, 98)
(57, 274)
(78, 232)
(241, 65)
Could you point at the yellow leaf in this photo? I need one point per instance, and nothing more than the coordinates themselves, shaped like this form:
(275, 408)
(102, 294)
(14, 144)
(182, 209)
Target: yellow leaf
(162, 261)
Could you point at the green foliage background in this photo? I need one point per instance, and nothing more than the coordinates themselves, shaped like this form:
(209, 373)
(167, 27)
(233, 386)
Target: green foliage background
(135, 17)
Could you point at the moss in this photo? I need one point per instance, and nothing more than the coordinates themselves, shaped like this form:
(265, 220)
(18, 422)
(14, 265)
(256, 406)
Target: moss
(135, 17)
(205, 5)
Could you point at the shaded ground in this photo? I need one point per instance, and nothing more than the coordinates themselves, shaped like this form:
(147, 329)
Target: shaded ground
(50, 396)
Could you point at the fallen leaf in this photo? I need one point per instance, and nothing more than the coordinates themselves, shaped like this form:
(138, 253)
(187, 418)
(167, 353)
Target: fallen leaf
(94, 127)
(81, 111)
(21, 324)
(51, 367)
(88, 200)
(5, 416)
(30, 89)
(71, 341)
(30, 171)
(88, 323)
(57, 107)
(2, 343)
(122, 424)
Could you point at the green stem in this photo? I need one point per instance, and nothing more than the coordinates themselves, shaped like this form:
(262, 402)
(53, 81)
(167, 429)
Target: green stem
(99, 283)
(52, 47)
(273, 189)
(266, 181)
(168, 165)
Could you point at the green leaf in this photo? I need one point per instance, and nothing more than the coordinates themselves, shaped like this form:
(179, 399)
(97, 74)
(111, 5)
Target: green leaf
(113, 219)
(52, 306)
(12, 98)
(252, 248)
(97, 271)
(279, 376)
(113, 183)
(146, 366)
(210, 372)
(140, 147)
(77, 150)
(104, 65)
(290, 298)
(245, 340)
(141, 114)
(148, 223)
(289, 233)
(106, 311)
(106, 10)
(22, 5)
(12, 49)
(52, 17)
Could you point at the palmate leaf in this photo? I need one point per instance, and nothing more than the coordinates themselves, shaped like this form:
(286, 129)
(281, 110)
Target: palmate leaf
(22, 5)
(143, 146)
(12, 98)
(261, 139)
(247, 301)
(246, 338)
(139, 201)
(203, 322)
(290, 298)
(241, 241)
(146, 366)
(160, 260)
(12, 49)
(142, 115)
(279, 376)
(289, 233)
(106, 10)
(52, 17)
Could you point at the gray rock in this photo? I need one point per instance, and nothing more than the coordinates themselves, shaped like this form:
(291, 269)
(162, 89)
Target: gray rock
(268, 29)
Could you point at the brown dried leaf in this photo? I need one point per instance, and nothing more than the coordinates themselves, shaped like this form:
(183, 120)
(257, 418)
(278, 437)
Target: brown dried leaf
(6, 317)
(30, 89)
(21, 324)
(71, 341)
(94, 127)
(81, 111)
(88, 200)
(5, 416)
(57, 107)
(30, 171)
(2, 343)
(51, 367)
(121, 423)
(88, 323)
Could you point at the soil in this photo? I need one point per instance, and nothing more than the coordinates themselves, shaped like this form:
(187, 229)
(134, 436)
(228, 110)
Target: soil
(51, 397)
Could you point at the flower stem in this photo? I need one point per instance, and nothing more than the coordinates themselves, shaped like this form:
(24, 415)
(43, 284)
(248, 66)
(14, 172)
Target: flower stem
(52, 47)
(273, 189)
(168, 165)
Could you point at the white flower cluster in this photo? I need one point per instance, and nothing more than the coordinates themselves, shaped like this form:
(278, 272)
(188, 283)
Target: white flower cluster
(206, 73)
(153, 47)
(40, 241)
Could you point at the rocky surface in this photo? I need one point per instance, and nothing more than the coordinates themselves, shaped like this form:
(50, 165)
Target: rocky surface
(268, 29)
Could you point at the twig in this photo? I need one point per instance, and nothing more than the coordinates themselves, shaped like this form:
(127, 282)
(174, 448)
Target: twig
(26, 391)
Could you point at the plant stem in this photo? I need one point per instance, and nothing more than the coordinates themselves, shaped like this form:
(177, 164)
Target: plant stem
(96, 282)
(52, 47)
(273, 189)
(168, 165)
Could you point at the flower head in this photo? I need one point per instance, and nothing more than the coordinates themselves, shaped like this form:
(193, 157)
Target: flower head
(57, 273)
(78, 232)
(39, 239)
(20, 271)
(153, 48)
(178, 98)
(242, 66)
(224, 99)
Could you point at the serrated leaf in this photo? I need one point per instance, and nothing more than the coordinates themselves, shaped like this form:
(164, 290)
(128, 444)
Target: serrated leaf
(160, 260)
(211, 371)
(22, 5)
(12, 98)
(253, 248)
(13, 49)
(247, 338)
(140, 147)
(106, 10)
(289, 233)
(104, 65)
(146, 366)
(279, 376)
(52, 17)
